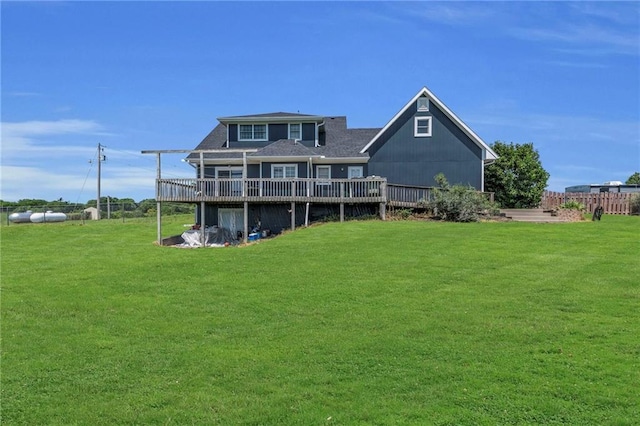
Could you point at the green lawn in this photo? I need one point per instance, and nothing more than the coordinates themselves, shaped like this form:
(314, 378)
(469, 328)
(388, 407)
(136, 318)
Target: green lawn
(357, 323)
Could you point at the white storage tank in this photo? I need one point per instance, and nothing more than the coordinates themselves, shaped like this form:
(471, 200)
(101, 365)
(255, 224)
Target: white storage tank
(49, 216)
(23, 217)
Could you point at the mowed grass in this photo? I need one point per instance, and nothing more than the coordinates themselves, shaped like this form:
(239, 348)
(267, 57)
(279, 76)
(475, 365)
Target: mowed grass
(356, 323)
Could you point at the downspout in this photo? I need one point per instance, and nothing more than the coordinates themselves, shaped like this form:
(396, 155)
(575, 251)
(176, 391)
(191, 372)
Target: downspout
(484, 155)
(317, 142)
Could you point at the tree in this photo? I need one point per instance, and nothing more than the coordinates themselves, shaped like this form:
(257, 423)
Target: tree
(517, 177)
(634, 179)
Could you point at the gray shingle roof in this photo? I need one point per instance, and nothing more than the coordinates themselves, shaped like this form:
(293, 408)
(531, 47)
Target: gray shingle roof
(270, 115)
(217, 138)
(284, 148)
(339, 141)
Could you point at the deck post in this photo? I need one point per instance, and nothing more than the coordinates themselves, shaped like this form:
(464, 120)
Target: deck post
(245, 233)
(293, 216)
(383, 204)
(341, 202)
(158, 203)
(202, 204)
(159, 221)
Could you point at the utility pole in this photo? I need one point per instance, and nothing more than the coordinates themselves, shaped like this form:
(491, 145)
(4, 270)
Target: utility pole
(101, 158)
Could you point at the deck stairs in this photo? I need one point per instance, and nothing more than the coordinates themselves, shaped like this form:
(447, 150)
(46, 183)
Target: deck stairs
(530, 215)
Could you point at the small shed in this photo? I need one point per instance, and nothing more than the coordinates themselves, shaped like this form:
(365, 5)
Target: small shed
(91, 213)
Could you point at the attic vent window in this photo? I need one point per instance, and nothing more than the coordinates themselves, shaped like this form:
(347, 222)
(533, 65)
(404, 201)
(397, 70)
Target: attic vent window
(423, 104)
(422, 127)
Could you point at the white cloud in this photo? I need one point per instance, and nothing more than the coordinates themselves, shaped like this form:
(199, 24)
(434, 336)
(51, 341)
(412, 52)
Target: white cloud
(50, 159)
(29, 139)
(451, 13)
(625, 14)
(24, 94)
(19, 137)
(585, 28)
(75, 184)
(32, 182)
(564, 129)
(594, 38)
(34, 128)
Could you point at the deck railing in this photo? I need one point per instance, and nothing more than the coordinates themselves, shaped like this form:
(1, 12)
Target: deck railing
(407, 196)
(367, 190)
(415, 196)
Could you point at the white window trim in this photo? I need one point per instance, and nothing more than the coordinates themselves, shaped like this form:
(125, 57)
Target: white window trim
(415, 127)
(360, 168)
(253, 132)
(300, 127)
(230, 169)
(323, 181)
(284, 167)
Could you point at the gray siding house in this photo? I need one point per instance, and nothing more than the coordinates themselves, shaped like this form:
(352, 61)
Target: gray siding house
(279, 170)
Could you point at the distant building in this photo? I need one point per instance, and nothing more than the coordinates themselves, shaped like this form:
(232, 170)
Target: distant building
(611, 186)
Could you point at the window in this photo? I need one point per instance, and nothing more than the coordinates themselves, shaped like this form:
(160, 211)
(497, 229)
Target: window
(323, 173)
(422, 127)
(282, 171)
(229, 172)
(295, 131)
(252, 132)
(355, 172)
(423, 104)
(228, 187)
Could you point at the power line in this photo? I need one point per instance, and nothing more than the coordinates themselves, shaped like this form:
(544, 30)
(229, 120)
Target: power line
(85, 179)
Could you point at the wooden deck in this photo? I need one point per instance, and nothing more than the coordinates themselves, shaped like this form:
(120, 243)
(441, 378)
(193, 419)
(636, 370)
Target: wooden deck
(369, 190)
(300, 190)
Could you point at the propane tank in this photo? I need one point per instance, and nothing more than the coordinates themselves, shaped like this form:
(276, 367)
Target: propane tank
(49, 216)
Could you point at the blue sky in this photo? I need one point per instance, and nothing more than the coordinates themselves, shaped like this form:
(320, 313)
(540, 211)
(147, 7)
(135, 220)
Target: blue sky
(139, 76)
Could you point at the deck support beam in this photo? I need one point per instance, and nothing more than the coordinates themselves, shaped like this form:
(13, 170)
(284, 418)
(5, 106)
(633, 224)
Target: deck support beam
(341, 202)
(202, 205)
(158, 203)
(383, 211)
(245, 233)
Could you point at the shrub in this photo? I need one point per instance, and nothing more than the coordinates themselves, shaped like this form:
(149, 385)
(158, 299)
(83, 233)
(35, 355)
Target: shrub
(457, 203)
(573, 205)
(635, 204)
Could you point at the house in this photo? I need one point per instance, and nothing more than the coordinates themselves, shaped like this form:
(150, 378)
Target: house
(279, 170)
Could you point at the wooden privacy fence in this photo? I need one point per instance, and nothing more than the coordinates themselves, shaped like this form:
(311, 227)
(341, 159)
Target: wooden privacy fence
(611, 202)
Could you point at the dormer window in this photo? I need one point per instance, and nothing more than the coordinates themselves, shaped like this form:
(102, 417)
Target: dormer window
(252, 132)
(295, 131)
